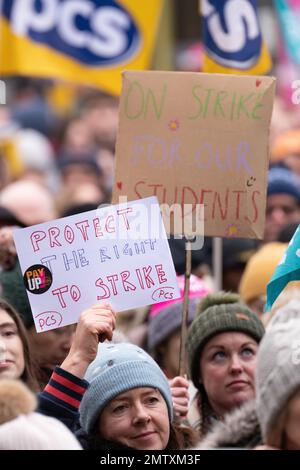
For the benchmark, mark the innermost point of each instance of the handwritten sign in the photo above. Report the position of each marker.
(195, 138)
(117, 254)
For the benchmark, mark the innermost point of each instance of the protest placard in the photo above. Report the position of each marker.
(197, 139)
(116, 254)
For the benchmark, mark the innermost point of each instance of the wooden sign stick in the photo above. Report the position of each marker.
(185, 313)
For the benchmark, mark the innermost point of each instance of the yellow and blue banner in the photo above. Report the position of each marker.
(232, 38)
(87, 42)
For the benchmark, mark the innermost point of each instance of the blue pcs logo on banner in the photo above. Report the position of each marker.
(94, 32)
(232, 32)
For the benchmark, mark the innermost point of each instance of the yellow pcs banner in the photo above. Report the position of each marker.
(81, 41)
(232, 38)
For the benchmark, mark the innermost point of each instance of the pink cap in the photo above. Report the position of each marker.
(198, 288)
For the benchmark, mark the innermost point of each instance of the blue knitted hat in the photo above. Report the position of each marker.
(283, 181)
(117, 368)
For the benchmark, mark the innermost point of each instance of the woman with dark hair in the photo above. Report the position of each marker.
(118, 393)
(15, 362)
(48, 348)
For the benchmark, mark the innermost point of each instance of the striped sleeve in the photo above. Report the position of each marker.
(65, 389)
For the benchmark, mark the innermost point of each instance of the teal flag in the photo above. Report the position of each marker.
(287, 270)
(288, 12)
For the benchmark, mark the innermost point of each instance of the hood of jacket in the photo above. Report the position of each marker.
(240, 429)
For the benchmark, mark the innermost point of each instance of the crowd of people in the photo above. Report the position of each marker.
(112, 381)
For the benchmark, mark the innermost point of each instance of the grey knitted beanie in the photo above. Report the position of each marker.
(167, 321)
(278, 365)
(219, 313)
(116, 369)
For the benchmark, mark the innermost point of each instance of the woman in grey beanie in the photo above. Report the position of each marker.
(129, 402)
(123, 398)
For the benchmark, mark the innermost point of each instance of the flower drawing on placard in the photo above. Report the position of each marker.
(232, 230)
(174, 125)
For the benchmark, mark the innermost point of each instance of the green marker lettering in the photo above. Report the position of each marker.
(157, 107)
(257, 106)
(232, 106)
(209, 91)
(194, 93)
(242, 105)
(218, 108)
(135, 98)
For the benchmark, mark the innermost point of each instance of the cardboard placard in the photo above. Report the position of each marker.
(195, 138)
(117, 254)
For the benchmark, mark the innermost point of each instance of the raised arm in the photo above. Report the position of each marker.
(62, 396)
(95, 325)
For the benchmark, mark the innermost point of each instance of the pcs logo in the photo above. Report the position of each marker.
(232, 33)
(94, 32)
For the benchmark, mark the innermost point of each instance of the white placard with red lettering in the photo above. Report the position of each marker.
(117, 254)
